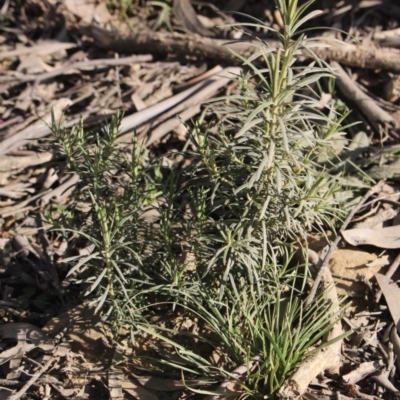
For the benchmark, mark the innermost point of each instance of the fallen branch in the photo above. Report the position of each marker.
(190, 45)
(375, 114)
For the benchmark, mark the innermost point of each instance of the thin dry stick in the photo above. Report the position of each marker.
(31, 381)
(334, 244)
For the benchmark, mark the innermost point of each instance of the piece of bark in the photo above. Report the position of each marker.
(363, 370)
(9, 163)
(183, 45)
(190, 45)
(382, 380)
(390, 38)
(375, 114)
(362, 57)
(43, 48)
(197, 79)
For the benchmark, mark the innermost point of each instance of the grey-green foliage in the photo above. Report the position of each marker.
(268, 322)
(255, 187)
(114, 191)
(224, 230)
(258, 184)
(266, 184)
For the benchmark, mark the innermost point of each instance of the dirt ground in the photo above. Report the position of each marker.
(90, 58)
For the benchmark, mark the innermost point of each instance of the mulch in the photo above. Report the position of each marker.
(160, 66)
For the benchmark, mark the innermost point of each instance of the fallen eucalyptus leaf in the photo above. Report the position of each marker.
(385, 238)
(392, 296)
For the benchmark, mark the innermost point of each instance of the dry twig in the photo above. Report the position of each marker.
(375, 114)
(33, 379)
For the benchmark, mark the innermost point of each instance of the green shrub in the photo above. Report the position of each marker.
(218, 237)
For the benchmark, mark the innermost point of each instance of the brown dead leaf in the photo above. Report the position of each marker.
(84, 9)
(24, 100)
(187, 17)
(46, 92)
(16, 190)
(218, 357)
(385, 238)
(32, 64)
(392, 296)
(88, 11)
